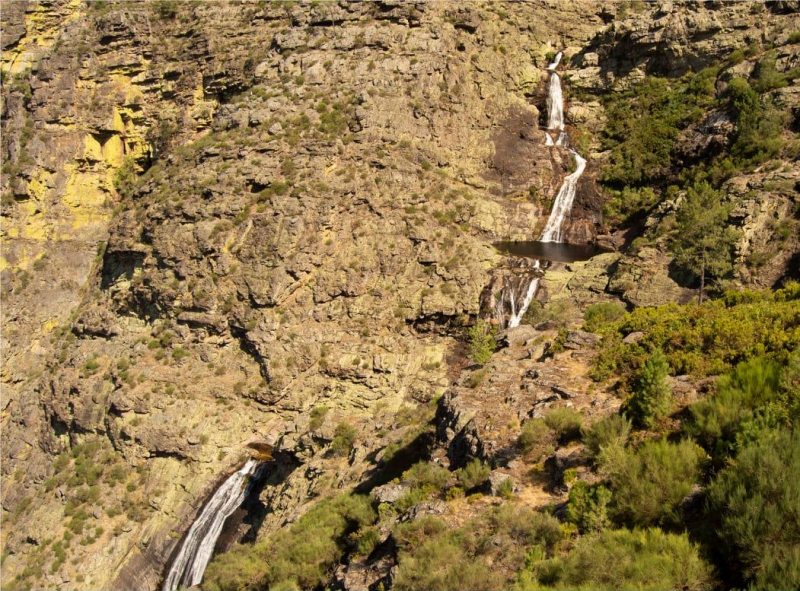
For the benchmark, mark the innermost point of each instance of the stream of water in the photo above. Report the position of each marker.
(190, 563)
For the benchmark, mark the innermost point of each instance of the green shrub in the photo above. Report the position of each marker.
(434, 555)
(344, 438)
(536, 439)
(588, 506)
(794, 37)
(473, 474)
(652, 396)
(559, 312)
(766, 76)
(565, 422)
(644, 122)
(426, 474)
(367, 539)
(317, 417)
(649, 483)
(611, 432)
(628, 203)
(125, 178)
(481, 342)
(752, 390)
(708, 339)
(299, 555)
(623, 559)
(759, 124)
(755, 502)
(596, 316)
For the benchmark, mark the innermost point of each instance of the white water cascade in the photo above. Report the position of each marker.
(563, 203)
(190, 564)
(511, 292)
(515, 319)
(555, 104)
(555, 121)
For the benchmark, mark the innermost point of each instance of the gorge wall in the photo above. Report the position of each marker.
(227, 224)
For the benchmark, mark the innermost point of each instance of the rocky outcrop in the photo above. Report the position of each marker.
(229, 223)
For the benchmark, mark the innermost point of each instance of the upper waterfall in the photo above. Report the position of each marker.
(555, 104)
(190, 564)
(563, 203)
(555, 121)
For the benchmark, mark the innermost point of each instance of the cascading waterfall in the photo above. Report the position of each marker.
(190, 564)
(563, 203)
(515, 319)
(566, 194)
(511, 292)
(555, 105)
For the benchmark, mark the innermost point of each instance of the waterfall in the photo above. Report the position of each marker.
(563, 203)
(515, 319)
(190, 564)
(555, 104)
(511, 291)
(555, 121)
(556, 61)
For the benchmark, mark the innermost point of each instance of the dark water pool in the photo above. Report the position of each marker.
(549, 251)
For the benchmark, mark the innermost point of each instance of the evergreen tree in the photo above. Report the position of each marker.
(755, 503)
(652, 397)
(481, 342)
(703, 243)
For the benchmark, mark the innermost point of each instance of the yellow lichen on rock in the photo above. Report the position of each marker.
(113, 151)
(43, 26)
(92, 150)
(37, 186)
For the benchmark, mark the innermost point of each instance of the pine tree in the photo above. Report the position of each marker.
(481, 342)
(652, 397)
(704, 243)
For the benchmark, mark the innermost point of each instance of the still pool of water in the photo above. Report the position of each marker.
(549, 251)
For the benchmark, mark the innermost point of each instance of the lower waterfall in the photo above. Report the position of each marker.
(511, 291)
(189, 565)
(515, 319)
(563, 203)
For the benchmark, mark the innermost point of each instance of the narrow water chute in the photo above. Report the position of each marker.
(563, 202)
(189, 565)
(516, 318)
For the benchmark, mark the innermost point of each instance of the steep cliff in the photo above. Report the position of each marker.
(227, 224)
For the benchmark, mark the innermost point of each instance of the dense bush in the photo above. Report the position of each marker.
(757, 394)
(588, 506)
(756, 502)
(481, 342)
(649, 483)
(759, 124)
(609, 433)
(473, 474)
(624, 559)
(536, 439)
(652, 397)
(598, 315)
(297, 557)
(424, 480)
(344, 438)
(707, 339)
(628, 203)
(565, 423)
(643, 124)
(482, 554)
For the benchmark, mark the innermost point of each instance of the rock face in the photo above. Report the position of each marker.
(229, 224)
